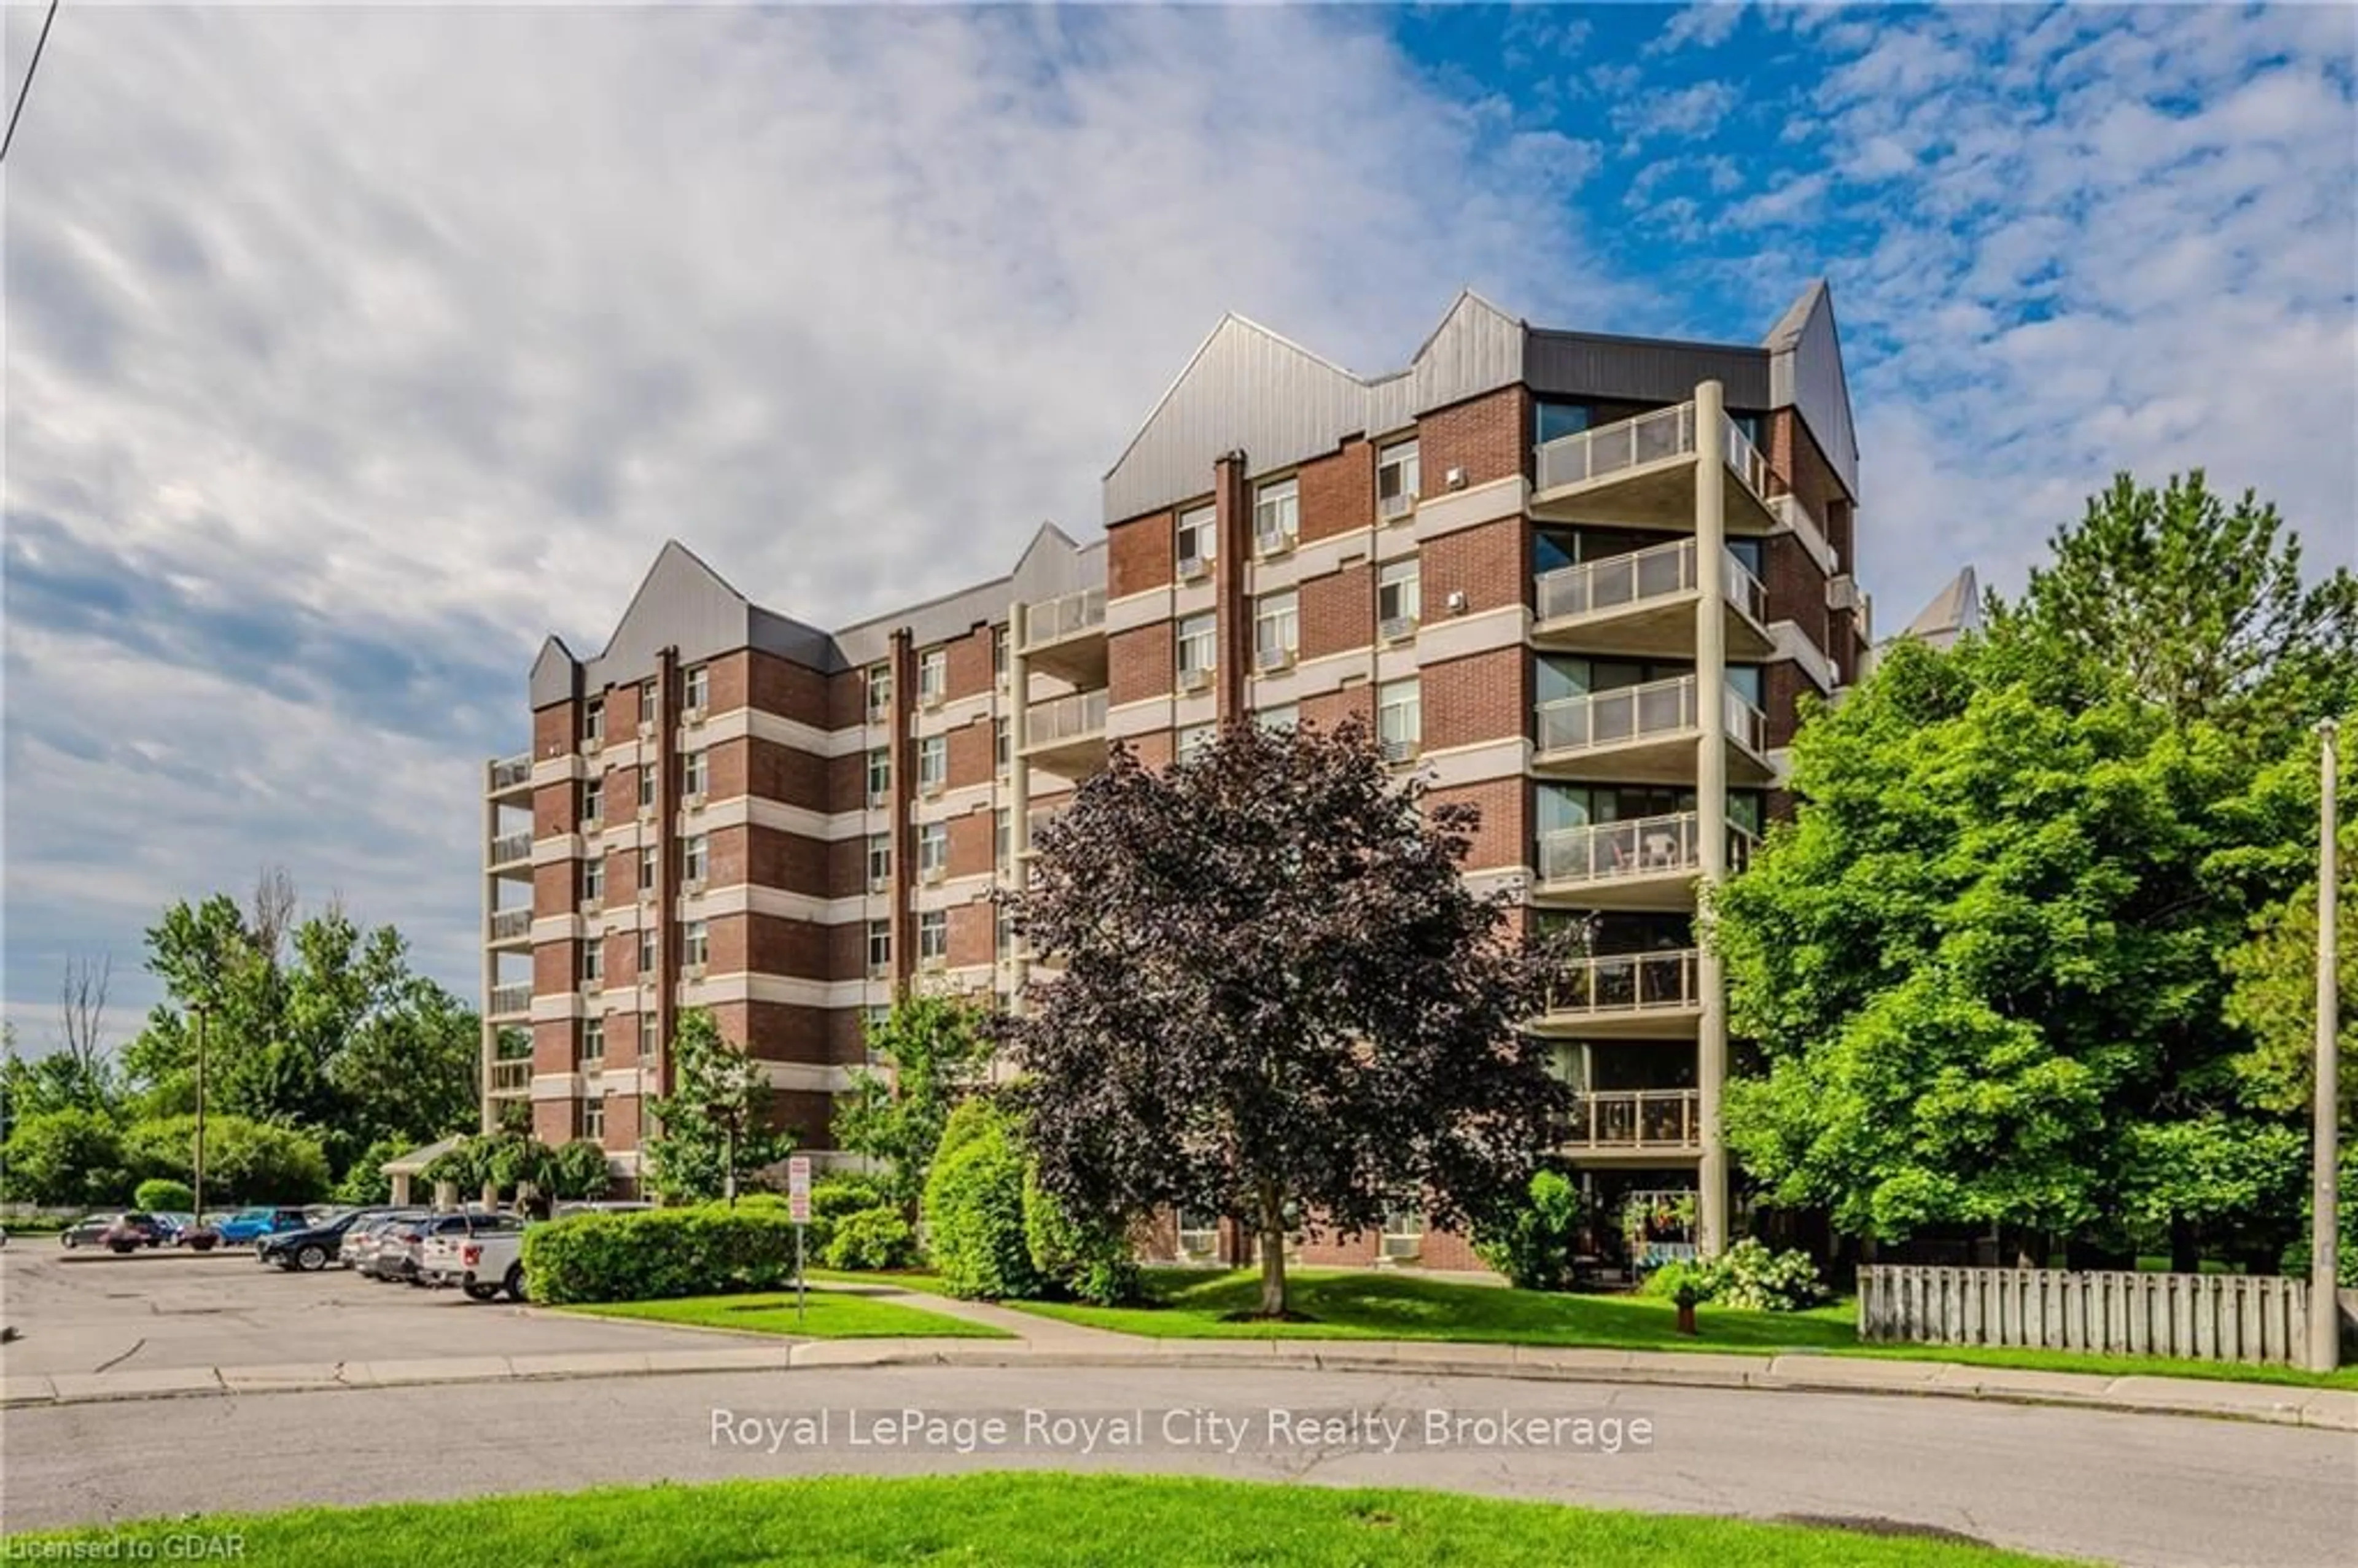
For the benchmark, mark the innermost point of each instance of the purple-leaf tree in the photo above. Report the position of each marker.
(1278, 1001)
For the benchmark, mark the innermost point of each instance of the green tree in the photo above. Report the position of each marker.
(580, 1172)
(364, 1181)
(245, 1161)
(64, 1156)
(719, 1111)
(935, 1049)
(163, 1196)
(974, 1207)
(1280, 1002)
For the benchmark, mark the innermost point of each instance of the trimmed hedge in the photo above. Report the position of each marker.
(660, 1254)
(871, 1238)
(974, 1208)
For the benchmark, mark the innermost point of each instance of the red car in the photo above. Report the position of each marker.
(133, 1231)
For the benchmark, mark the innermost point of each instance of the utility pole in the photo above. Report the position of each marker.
(200, 1010)
(2324, 1304)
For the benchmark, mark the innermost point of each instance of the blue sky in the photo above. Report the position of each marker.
(349, 352)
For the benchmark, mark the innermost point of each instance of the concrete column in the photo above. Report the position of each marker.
(1711, 792)
(491, 969)
(1019, 793)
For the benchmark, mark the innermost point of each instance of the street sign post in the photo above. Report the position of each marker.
(798, 1209)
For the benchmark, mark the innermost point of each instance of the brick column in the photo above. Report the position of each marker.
(668, 890)
(1232, 504)
(903, 656)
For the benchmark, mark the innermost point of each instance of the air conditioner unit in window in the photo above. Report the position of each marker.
(935, 874)
(693, 885)
(1272, 542)
(880, 971)
(647, 814)
(1398, 627)
(590, 905)
(694, 802)
(1193, 568)
(930, 788)
(879, 884)
(647, 893)
(592, 744)
(1195, 680)
(1270, 659)
(1403, 1248)
(934, 964)
(694, 716)
(592, 824)
(878, 800)
(646, 729)
(931, 701)
(1399, 751)
(1393, 508)
(692, 972)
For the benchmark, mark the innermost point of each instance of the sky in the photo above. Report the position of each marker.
(350, 352)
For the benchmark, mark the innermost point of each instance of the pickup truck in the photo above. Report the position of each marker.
(482, 1264)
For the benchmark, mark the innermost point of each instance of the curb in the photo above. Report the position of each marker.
(2330, 1410)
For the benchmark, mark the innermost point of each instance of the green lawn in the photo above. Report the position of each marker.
(1027, 1518)
(832, 1314)
(1196, 1304)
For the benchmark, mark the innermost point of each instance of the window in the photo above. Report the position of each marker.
(1399, 720)
(879, 693)
(1003, 930)
(879, 861)
(648, 867)
(647, 700)
(1277, 515)
(593, 722)
(593, 801)
(694, 772)
(1397, 478)
(933, 674)
(650, 951)
(932, 763)
(1198, 537)
(1403, 1231)
(594, 879)
(934, 936)
(879, 776)
(1002, 830)
(697, 684)
(879, 946)
(1398, 600)
(593, 1118)
(594, 963)
(1199, 1232)
(1744, 680)
(593, 1041)
(1284, 715)
(933, 849)
(695, 944)
(874, 1020)
(1002, 745)
(646, 786)
(695, 855)
(1553, 419)
(1277, 630)
(1192, 739)
(650, 1037)
(999, 654)
(1755, 429)
(1196, 634)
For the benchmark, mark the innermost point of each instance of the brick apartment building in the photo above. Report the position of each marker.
(1582, 581)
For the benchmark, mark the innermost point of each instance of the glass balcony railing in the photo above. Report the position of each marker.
(1636, 1118)
(1598, 719)
(508, 925)
(508, 1000)
(1622, 582)
(513, 1076)
(1063, 718)
(1052, 621)
(510, 847)
(1630, 982)
(1650, 438)
(511, 773)
(1640, 847)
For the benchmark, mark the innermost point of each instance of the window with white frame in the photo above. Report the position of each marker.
(650, 1036)
(593, 800)
(593, 877)
(1400, 718)
(1284, 715)
(696, 688)
(880, 859)
(1003, 929)
(650, 951)
(593, 1041)
(1195, 738)
(1403, 1231)
(879, 776)
(999, 654)
(593, 962)
(695, 855)
(694, 772)
(1277, 514)
(593, 1118)
(934, 936)
(648, 867)
(874, 1019)
(1398, 478)
(694, 943)
(879, 946)
(1397, 599)
(1199, 536)
(1002, 745)
(1197, 643)
(1199, 1232)
(933, 674)
(1002, 829)
(646, 699)
(932, 763)
(934, 849)
(879, 693)
(646, 786)
(1277, 630)
(593, 720)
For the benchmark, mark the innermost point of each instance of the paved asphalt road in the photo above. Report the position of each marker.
(2125, 1489)
(111, 1314)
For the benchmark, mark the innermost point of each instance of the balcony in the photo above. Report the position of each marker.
(510, 855)
(1648, 862)
(512, 1077)
(1642, 471)
(511, 777)
(512, 1000)
(1644, 603)
(1628, 995)
(1633, 1121)
(1039, 816)
(1065, 637)
(1065, 735)
(510, 927)
(1646, 734)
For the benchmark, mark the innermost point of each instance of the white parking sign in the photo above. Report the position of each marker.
(798, 1188)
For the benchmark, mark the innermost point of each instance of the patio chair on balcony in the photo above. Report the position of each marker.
(1662, 851)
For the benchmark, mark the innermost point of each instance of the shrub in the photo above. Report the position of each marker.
(659, 1253)
(255, 1162)
(1697, 1282)
(974, 1207)
(1091, 1261)
(1746, 1276)
(365, 1181)
(69, 1156)
(1533, 1241)
(579, 1171)
(161, 1194)
(869, 1239)
(832, 1198)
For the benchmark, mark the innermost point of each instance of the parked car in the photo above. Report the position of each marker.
(131, 1231)
(404, 1257)
(370, 1232)
(603, 1206)
(248, 1225)
(483, 1262)
(176, 1223)
(87, 1230)
(315, 1246)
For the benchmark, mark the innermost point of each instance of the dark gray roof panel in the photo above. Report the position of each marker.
(1643, 370)
(556, 674)
(1806, 371)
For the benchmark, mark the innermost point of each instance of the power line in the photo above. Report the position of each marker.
(9, 140)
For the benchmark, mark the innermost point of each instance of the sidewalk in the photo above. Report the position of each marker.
(2334, 1409)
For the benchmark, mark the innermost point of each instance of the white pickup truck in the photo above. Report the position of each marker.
(483, 1264)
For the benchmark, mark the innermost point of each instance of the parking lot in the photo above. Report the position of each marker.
(89, 1311)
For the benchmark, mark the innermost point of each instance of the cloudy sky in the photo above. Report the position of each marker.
(349, 352)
